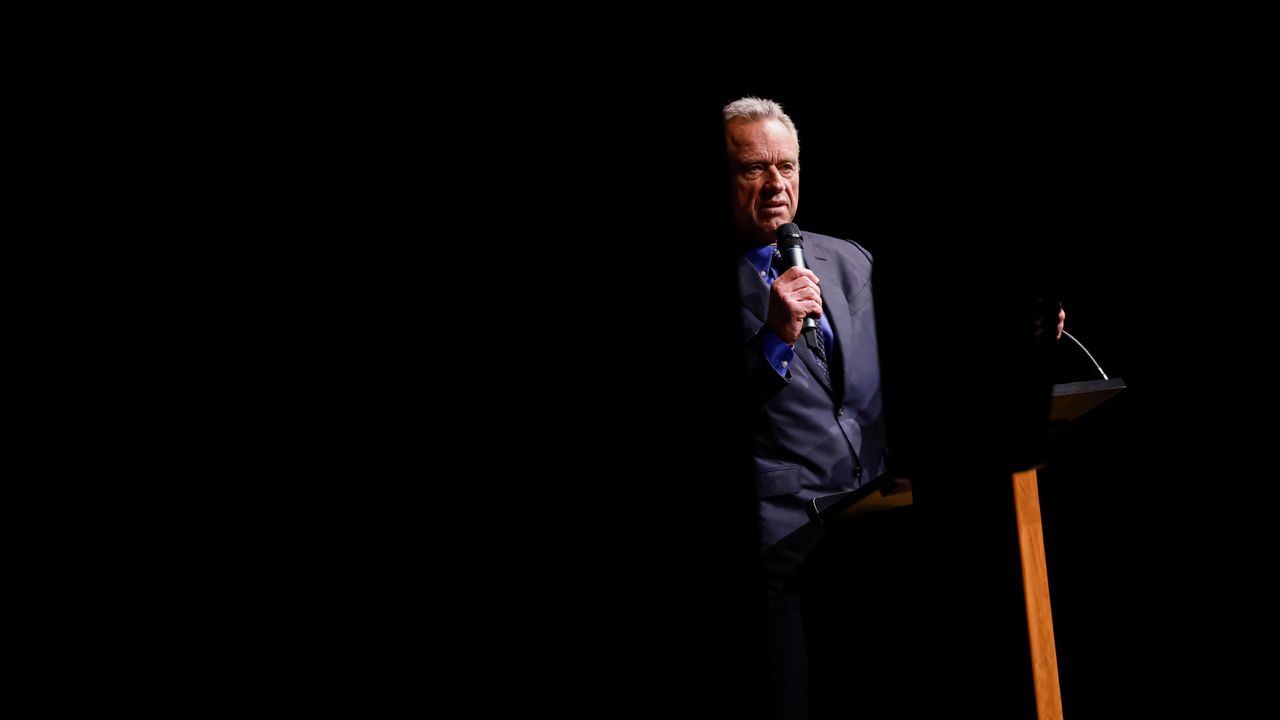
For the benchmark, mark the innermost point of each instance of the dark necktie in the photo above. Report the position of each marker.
(819, 351)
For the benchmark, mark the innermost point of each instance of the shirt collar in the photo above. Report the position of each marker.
(761, 258)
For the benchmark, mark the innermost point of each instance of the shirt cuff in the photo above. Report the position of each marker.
(778, 353)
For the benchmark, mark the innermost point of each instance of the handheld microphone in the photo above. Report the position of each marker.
(791, 247)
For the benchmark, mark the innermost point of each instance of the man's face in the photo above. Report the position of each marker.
(764, 161)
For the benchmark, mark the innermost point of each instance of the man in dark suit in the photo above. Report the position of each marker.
(817, 426)
(815, 431)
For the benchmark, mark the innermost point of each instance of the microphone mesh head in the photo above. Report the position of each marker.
(789, 236)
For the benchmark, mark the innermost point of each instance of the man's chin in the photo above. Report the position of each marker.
(763, 233)
(770, 226)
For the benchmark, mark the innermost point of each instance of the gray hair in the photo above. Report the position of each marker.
(754, 108)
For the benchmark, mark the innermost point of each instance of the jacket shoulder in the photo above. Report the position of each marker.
(847, 249)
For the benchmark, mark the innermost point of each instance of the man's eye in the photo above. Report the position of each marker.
(787, 169)
(752, 171)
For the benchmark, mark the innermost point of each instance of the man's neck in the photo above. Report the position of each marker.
(747, 244)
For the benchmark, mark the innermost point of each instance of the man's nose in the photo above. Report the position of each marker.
(773, 179)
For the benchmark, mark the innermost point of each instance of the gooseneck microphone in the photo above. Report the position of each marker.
(1073, 339)
(791, 247)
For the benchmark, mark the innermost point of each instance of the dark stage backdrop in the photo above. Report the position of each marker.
(580, 323)
(496, 351)
(973, 200)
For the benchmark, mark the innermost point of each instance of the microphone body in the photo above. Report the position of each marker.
(791, 248)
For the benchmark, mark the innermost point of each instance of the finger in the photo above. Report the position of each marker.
(798, 284)
(807, 293)
(797, 272)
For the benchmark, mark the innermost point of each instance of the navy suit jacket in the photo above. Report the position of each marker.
(811, 438)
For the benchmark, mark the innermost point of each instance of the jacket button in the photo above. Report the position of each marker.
(840, 412)
(857, 473)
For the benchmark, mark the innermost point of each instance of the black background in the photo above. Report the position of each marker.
(534, 348)
(1125, 197)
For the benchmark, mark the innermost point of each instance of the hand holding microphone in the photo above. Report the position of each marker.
(795, 302)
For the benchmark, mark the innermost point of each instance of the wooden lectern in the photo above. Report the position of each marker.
(892, 492)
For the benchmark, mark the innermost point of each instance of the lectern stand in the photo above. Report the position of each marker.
(890, 492)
